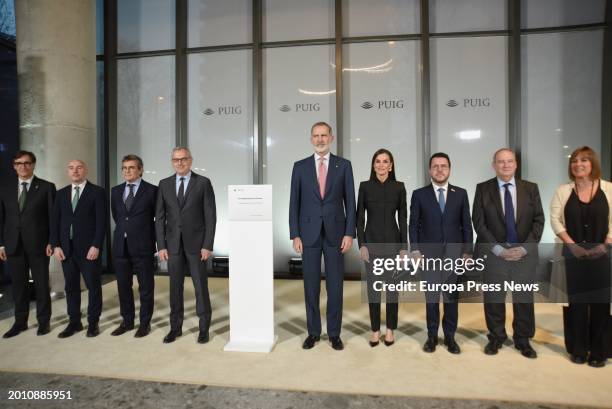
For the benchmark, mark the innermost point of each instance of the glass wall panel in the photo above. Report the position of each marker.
(285, 20)
(381, 110)
(214, 22)
(555, 13)
(99, 26)
(383, 17)
(221, 125)
(294, 99)
(447, 16)
(145, 25)
(561, 105)
(145, 115)
(469, 105)
(100, 122)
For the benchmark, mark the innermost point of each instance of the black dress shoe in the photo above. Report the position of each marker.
(142, 331)
(310, 341)
(577, 359)
(70, 330)
(43, 329)
(336, 343)
(203, 337)
(430, 344)
(526, 350)
(122, 329)
(492, 347)
(373, 343)
(14, 331)
(452, 346)
(93, 330)
(172, 336)
(389, 343)
(597, 363)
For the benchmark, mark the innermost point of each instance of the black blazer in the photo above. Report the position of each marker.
(195, 222)
(138, 223)
(382, 201)
(88, 220)
(33, 224)
(429, 225)
(488, 215)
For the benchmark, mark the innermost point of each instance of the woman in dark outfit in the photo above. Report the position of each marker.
(382, 199)
(581, 217)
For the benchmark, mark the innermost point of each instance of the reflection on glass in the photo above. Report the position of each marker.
(220, 122)
(381, 17)
(145, 123)
(144, 25)
(446, 16)
(469, 105)
(214, 22)
(382, 111)
(555, 13)
(561, 105)
(288, 116)
(286, 20)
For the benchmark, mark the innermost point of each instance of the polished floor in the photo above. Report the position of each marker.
(401, 370)
(103, 393)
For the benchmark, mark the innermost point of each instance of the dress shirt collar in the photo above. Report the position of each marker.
(187, 177)
(28, 181)
(326, 156)
(136, 184)
(501, 183)
(436, 187)
(80, 185)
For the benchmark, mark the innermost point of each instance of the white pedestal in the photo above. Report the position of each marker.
(251, 269)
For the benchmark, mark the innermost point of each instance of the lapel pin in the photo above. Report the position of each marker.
(452, 190)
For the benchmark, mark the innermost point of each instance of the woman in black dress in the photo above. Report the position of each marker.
(581, 218)
(382, 200)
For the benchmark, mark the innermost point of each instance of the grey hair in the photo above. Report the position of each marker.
(181, 148)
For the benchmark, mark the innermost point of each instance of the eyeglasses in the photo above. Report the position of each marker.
(26, 164)
(181, 160)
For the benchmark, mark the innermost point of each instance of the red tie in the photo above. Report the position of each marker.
(322, 176)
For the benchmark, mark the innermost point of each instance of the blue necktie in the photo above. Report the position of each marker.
(511, 234)
(441, 200)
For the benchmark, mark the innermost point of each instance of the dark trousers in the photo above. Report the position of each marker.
(585, 321)
(523, 322)
(374, 297)
(177, 264)
(20, 264)
(450, 302)
(125, 269)
(73, 266)
(334, 276)
(585, 327)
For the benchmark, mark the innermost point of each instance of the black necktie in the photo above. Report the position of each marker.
(511, 234)
(129, 200)
(181, 193)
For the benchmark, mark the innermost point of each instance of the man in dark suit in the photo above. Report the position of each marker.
(440, 226)
(185, 222)
(509, 220)
(322, 218)
(77, 235)
(25, 217)
(133, 210)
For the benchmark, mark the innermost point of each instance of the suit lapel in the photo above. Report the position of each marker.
(450, 197)
(521, 197)
(312, 172)
(189, 188)
(82, 196)
(434, 199)
(332, 170)
(495, 197)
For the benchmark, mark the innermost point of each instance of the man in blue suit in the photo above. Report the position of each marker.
(322, 219)
(133, 210)
(77, 234)
(440, 226)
